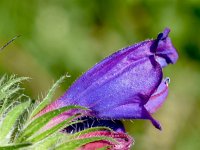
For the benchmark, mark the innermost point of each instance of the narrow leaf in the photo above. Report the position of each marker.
(74, 144)
(2, 79)
(11, 82)
(15, 146)
(41, 121)
(55, 128)
(48, 143)
(48, 99)
(10, 119)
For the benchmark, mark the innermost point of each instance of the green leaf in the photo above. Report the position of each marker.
(2, 79)
(49, 143)
(10, 119)
(15, 146)
(21, 121)
(7, 88)
(48, 99)
(41, 121)
(12, 81)
(74, 144)
(55, 128)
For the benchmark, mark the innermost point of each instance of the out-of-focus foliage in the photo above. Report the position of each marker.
(71, 36)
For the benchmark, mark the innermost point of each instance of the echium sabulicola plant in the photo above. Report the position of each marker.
(128, 84)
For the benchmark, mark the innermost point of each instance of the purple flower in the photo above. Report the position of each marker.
(128, 84)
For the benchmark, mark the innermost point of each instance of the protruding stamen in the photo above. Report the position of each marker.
(167, 81)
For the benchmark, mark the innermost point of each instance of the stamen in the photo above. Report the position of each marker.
(167, 81)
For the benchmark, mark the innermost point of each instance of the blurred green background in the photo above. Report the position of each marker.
(60, 37)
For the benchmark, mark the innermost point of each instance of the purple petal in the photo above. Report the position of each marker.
(128, 80)
(158, 98)
(165, 52)
(129, 111)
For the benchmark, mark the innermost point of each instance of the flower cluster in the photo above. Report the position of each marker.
(128, 84)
